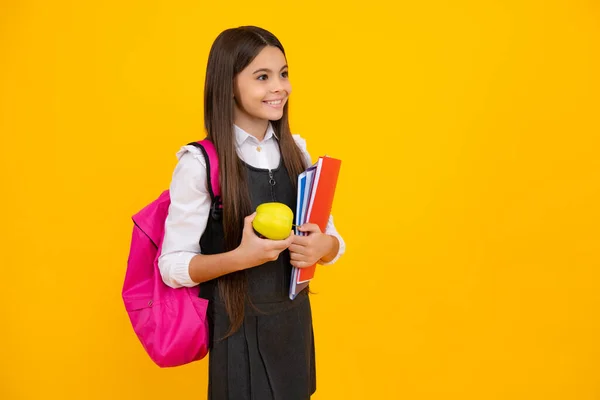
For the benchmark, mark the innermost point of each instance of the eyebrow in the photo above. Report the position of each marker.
(268, 70)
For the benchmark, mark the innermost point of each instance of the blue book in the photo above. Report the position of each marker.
(305, 180)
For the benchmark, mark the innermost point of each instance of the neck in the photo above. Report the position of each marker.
(256, 128)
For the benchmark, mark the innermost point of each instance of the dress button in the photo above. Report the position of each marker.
(258, 148)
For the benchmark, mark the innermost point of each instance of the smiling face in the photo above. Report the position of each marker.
(261, 91)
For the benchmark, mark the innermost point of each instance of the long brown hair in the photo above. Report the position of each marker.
(230, 53)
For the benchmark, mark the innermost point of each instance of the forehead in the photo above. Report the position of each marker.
(269, 57)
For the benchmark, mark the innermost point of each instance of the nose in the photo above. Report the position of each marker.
(277, 86)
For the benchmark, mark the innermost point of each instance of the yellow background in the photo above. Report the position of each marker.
(468, 197)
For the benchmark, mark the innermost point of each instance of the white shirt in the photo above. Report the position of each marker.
(190, 202)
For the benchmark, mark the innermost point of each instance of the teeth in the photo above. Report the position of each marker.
(273, 103)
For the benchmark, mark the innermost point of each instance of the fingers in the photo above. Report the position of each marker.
(273, 248)
(301, 256)
(301, 264)
(298, 257)
(310, 228)
(279, 245)
(296, 248)
(290, 238)
(300, 240)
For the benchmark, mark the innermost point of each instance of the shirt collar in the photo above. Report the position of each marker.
(241, 135)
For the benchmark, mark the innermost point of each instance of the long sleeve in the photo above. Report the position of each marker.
(186, 219)
(330, 229)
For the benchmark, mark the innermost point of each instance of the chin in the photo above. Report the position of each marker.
(275, 116)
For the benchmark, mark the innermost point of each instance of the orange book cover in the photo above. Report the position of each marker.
(321, 201)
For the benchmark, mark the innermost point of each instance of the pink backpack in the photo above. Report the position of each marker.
(170, 323)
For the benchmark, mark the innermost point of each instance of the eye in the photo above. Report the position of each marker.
(262, 77)
(284, 74)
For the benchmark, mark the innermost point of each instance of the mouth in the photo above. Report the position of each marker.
(274, 103)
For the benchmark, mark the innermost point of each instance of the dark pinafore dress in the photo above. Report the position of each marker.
(272, 356)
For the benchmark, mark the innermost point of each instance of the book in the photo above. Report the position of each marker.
(316, 190)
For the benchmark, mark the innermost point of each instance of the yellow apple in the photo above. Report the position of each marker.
(273, 220)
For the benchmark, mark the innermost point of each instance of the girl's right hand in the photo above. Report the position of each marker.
(255, 251)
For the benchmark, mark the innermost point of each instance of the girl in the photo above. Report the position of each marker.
(261, 341)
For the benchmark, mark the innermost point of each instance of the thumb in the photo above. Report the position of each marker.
(248, 221)
(309, 228)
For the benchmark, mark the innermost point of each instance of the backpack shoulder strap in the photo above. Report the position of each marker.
(212, 166)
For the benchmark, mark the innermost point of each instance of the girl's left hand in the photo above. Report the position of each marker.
(306, 251)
